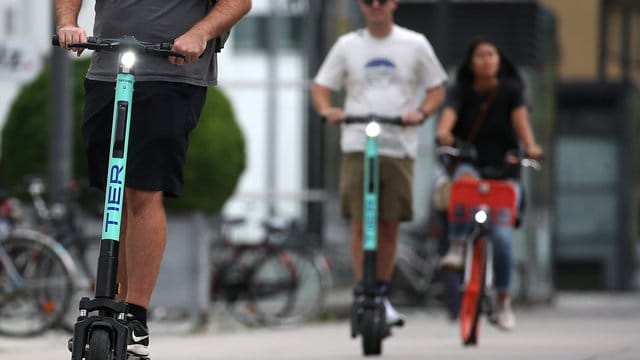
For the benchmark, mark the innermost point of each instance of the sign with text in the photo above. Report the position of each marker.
(19, 60)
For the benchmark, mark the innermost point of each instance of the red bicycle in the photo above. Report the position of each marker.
(481, 203)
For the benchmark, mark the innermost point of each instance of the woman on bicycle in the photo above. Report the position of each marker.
(486, 108)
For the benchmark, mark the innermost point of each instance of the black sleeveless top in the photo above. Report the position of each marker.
(496, 135)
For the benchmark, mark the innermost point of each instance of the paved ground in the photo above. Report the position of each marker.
(580, 327)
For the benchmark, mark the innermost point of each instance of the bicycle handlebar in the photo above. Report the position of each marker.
(468, 152)
(125, 43)
(396, 120)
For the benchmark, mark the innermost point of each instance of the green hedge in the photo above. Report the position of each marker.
(215, 160)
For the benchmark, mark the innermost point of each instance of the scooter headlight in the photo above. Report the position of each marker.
(373, 129)
(128, 59)
(481, 217)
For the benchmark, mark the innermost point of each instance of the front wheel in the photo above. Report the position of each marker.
(372, 328)
(472, 295)
(100, 345)
(273, 284)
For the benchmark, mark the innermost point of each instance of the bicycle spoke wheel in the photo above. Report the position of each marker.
(313, 279)
(83, 286)
(472, 295)
(272, 287)
(35, 303)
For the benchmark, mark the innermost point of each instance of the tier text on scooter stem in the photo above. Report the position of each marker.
(114, 194)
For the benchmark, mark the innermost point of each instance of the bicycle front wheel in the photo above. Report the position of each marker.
(271, 287)
(83, 282)
(472, 294)
(33, 304)
(313, 280)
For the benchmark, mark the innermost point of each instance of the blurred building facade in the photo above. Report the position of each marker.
(599, 39)
(597, 202)
(273, 53)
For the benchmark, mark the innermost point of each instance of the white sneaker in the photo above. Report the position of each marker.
(394, 318)
(503, 316)
(453, 259)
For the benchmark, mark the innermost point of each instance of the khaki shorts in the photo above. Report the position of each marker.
(395, 192)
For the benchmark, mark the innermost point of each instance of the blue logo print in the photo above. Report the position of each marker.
(380, 72)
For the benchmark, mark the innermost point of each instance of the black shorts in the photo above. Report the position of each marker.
(162, 117)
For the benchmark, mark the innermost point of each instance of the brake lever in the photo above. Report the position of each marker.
(163, 49)
(164, 52)
(534, 164)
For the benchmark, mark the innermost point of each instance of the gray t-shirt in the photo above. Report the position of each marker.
(152, 21)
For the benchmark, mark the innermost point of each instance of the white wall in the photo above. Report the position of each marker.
(30, 20)
(244, 77)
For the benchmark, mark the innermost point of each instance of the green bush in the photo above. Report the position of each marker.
(215, 160)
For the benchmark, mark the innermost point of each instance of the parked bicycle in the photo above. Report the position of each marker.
(36, 277)
(417, 271)
(282, 279)
(60, 220)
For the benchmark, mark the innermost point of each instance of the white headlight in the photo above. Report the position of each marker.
(481, 217)
(373, 129)
(128, 59)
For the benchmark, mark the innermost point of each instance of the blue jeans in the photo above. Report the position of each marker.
(500, 235)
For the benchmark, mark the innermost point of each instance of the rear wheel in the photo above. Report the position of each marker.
(83, 283)
(472, 295)
(42, 295)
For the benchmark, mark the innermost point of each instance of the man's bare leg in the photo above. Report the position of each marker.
(356, 249)
(387, 249)
(145, 241)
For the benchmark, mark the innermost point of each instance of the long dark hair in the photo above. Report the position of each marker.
(507, 70)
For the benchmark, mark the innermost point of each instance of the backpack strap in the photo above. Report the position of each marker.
(222, 39)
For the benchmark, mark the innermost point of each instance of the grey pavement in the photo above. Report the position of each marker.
(576, 326)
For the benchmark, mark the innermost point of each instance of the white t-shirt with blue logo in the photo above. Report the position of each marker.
(382, 76)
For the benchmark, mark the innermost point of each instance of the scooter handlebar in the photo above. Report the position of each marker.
(126, 42)
(396, 120)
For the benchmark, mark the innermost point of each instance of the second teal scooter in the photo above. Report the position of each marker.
(368, 317)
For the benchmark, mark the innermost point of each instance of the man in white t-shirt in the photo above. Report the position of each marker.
(391, 71)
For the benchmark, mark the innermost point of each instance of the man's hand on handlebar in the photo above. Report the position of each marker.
(192, 44)
(72, 34)
(413, 118)
(333, 115)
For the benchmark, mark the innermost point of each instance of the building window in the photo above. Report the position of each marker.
(252, 33)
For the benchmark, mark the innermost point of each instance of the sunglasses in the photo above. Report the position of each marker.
(370, 2)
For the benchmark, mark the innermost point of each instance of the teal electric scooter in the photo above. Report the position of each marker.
(368, 317)
(101, 330)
